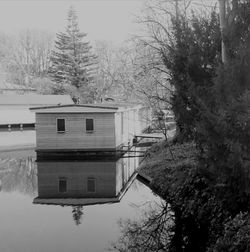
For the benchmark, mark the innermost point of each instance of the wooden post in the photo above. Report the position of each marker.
(222, 5)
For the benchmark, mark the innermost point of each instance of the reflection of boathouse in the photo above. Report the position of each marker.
(94, 127)
(84, 183)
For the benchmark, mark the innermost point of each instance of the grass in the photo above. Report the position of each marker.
(163, 167)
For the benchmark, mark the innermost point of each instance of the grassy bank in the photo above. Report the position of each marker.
(162, 159)
(204, 210)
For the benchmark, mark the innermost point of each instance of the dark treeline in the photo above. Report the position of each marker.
(206, 179)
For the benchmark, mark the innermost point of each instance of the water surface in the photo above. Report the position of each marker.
(36, 217)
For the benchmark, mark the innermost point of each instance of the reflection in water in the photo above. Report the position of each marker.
(152, 232)
(83, 183)
(77, 214)
(27, 227)
(18, 174)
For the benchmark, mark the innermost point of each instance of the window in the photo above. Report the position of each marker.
(89, 125)
(60, 125)
(62, 185)
(91, 185)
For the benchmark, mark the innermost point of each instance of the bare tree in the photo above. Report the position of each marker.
(116, 72)
(30, 55)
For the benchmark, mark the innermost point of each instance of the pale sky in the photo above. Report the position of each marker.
(111, 20)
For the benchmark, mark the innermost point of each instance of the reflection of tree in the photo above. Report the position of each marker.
(150, 233)
(18, 174)
(77, 212)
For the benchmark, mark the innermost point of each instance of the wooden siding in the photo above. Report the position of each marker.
(76, 174)
(75, 136)
(134, 122)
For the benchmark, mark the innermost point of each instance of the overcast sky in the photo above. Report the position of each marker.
(101, 19)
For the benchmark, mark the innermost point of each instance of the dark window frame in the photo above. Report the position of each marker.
(57, 128)
(86, 125)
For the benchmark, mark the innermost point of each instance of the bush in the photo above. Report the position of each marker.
(236, 236)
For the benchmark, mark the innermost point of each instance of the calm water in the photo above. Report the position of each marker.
(66, 206)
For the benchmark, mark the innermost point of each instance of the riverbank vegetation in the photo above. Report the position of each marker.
(203, 173)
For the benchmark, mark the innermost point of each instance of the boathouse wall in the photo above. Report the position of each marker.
(75, 135)
(131, 122)
(127, 125)
(114, 127)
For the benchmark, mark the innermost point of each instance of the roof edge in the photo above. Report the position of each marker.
(73, 105)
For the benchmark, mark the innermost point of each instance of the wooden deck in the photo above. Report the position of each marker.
(153, 135)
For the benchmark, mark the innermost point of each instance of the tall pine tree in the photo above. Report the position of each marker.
(72, 63)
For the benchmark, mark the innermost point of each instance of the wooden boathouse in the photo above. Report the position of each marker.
(89, 127)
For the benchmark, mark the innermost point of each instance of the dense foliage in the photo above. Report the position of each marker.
(212, 107)
(236, 236)
(206, 180)
(200, 204)
(191, 60)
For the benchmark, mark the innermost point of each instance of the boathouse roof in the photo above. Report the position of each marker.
(86, 108)
(34, 99)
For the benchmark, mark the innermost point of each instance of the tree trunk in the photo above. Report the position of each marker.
(222, 5)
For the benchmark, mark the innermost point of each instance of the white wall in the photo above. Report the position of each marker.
(75, 136)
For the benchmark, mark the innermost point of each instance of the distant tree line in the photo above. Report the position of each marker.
(66, 63)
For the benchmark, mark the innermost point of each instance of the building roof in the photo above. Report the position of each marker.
(16, 116)
(35, 99)
(73, 109)
(85, 108)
